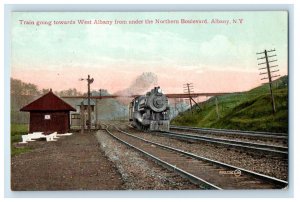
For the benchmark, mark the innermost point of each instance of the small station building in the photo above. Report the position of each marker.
(49, 114)
(76, 116)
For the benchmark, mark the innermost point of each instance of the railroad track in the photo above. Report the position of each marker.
(229, 143)
(198, 169)
(276, 139)
(232, 132)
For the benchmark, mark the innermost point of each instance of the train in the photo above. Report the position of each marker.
(150, 112)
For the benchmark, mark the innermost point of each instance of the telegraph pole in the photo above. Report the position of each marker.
(269, 72)
(189, 88)
(217, 108)
(89, 81)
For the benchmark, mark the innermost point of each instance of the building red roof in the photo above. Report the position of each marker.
(48, 102)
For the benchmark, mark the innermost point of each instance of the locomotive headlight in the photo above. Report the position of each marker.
(159, 90)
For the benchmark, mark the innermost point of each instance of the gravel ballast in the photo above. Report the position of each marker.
(250, 139)
(275, 167)
(139, 172)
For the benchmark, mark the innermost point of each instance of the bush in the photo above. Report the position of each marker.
(17, 130)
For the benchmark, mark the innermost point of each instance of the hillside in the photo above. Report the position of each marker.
(251, 110)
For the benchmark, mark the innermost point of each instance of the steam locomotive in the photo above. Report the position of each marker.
(151, 111)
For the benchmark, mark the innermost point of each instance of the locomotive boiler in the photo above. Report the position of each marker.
(150, 111)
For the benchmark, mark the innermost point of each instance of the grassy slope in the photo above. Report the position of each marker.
(249, 111)
(17, 130)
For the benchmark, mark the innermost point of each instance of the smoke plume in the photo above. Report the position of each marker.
(140, 85)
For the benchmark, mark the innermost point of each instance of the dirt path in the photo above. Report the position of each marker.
(72, 163)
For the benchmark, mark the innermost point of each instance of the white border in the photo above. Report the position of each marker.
(6, 75)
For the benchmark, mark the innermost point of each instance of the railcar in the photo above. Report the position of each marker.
(151, 111)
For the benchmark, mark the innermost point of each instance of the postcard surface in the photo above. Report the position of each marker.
(149, 100)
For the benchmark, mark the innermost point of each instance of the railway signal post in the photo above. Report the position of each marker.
(89, 81)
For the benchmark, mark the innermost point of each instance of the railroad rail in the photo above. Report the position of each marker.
(256, 138)
(198, 169)
(233, 132)
(230, 143)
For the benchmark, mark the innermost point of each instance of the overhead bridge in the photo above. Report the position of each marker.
(170, 95)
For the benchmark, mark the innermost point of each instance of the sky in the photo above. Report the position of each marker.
(215, 57)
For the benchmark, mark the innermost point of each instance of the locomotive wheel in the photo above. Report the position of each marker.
(145, 128)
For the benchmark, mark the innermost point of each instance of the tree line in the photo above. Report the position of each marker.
(22, 93)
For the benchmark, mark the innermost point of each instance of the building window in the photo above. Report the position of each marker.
(47, 117)
(75, 116)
